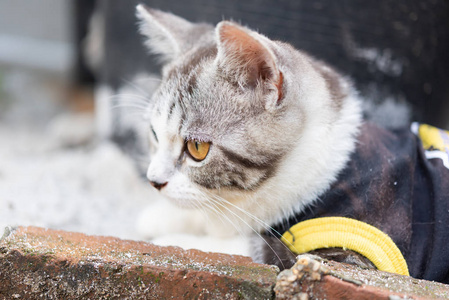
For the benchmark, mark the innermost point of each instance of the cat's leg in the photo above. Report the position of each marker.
(163, 218)
(165, 224)
(239, 245)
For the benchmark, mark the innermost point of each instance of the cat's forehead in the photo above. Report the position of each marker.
(191, 60)
(180, 78)
(204, 105)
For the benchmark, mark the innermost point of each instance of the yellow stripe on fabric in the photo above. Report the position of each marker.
(350, 234)
(433, 137)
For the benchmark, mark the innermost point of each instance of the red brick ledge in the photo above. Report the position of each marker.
(51, 264)
(37, 263)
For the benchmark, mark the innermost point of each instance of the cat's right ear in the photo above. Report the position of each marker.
(165, 32)
(244, 55)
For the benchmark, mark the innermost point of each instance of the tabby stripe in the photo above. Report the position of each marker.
(191, 84)
(170, 110)
(236, 158)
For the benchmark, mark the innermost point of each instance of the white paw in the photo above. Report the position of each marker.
(163, 218)
(236, 245)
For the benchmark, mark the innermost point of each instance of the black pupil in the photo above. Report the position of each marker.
(196, 146)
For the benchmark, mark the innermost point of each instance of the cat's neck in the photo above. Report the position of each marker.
(313, 165)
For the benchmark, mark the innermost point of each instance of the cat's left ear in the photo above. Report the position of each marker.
(244, 54)
(168, 35)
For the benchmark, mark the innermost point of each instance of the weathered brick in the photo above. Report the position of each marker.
(50, 264)
(315, 278)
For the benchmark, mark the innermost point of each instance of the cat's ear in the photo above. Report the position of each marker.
(243, 53)
(166, 32)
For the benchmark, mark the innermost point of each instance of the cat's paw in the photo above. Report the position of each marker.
(163, 218)
(237, 245)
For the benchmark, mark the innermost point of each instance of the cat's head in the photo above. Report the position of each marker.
(231, 109)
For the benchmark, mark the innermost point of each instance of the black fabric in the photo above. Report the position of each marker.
(390, 184)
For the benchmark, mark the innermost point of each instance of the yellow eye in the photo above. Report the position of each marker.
(198, 150)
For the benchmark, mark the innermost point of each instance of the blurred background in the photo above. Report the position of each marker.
(71, 153)
(55, 170)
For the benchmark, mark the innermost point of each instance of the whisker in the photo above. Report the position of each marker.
(138, 88)
(211, 205)
(206, 204)
(131, 97)
(265, 225)
(128, 105)
(255, 231)
(198, 206)
(222, 216)
(216, 198)
(144, 78)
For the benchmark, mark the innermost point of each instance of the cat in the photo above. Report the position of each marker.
(250, 136)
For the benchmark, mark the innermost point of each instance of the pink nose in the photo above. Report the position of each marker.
(158, 185)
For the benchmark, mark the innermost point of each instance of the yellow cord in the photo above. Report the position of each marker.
(350, 234)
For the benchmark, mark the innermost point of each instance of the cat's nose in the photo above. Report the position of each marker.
(158, 185)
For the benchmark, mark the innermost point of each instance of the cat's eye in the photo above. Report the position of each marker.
(198, 150)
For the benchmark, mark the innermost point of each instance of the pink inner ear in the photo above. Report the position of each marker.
(248, 52)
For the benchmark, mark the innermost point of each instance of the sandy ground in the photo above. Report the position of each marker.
(54, 172)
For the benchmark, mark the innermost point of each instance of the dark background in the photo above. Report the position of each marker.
(391, 48)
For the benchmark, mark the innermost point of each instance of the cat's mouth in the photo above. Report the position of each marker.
(199, 198)
(187, 198)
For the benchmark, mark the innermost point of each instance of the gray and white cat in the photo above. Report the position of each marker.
(251, 136)
(243, 129)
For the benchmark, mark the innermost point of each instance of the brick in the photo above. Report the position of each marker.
(315, 278)
(50, 264)
(37, 263)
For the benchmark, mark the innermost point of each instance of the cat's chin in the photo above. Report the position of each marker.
(184, 203)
